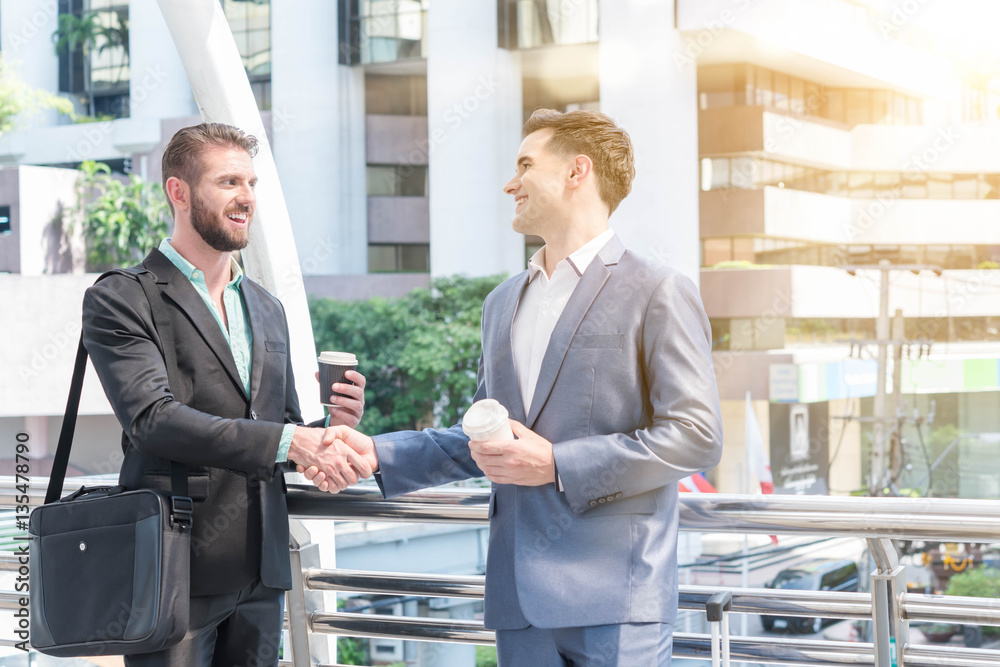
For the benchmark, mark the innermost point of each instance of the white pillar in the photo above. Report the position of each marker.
(474, 128)
(653, 95)
(318, 128)
(159, 87)
(28, 49)
(214, 68)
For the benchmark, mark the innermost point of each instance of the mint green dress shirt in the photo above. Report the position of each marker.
(239, 336)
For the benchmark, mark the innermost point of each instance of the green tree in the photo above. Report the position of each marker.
(419, 353)
(981, 582)
(352, 651)
(17, 98)
(121, 221)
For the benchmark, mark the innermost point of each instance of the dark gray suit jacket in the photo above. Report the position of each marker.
(628, 396)
(228, 442)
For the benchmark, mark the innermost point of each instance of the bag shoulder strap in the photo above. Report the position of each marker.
(161, 322)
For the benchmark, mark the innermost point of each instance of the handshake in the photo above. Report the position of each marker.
(333, 458)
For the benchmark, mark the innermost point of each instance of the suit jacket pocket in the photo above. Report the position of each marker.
(199, 483)
(274, 345)
(599, 341)
(641, 504)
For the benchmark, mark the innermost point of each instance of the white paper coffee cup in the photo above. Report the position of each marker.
(487, 420)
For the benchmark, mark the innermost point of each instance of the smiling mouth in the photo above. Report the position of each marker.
(520, 200)
(240, 219)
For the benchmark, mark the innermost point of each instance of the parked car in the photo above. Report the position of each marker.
(814, 575)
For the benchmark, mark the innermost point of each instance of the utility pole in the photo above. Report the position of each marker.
(896, 449)
(879, 454)
(881, 451)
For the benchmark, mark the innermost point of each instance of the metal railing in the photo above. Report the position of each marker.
(878, 520)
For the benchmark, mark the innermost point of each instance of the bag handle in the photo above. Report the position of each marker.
(161, 322)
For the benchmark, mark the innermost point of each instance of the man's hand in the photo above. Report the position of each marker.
(526, 461)
(347, 411)
(337, 465)
(342, 436)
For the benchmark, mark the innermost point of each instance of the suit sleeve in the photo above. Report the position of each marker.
(119, 335)
(413, 460)
(684, 435)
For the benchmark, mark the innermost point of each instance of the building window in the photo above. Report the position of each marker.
(399, 258)
(397, 180)
(250, 23)
(526, 24)
(382, 31)
(92, 42)
(752, 173)
(396, 95)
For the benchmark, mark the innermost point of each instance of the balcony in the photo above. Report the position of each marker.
(807, 38)
(822, 292)
(786, 213)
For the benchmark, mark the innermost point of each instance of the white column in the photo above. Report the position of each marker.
(28, 49)
(474, 128)
(318, 128)
(653, 95)
(215, 70)
(159, 87)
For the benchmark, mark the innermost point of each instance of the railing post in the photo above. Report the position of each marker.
(303, 603)
(890, 630)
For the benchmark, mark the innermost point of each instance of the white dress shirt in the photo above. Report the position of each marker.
(541, 305)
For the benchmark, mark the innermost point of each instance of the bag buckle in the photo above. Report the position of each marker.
(181, 509)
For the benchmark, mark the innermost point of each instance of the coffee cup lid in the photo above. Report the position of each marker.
(484, 416)
(338, 358)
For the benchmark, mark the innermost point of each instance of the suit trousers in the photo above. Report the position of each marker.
(241, 629)
(625, 645)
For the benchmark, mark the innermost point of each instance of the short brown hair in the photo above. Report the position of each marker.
(593, 134)
(182, 157)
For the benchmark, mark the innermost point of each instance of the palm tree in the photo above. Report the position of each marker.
(79, 32)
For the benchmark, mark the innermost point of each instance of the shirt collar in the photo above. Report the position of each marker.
(579, 260)
(190, 271)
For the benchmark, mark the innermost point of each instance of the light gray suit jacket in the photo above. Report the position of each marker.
(627, 394)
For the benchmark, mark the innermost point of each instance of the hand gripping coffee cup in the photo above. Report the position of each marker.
(332, 366)
(486, 421)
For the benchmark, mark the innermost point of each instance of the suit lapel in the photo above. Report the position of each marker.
(591, 283)
(179, 289)
(508, 388)
(256, 323)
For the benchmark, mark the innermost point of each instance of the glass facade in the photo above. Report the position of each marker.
(526, 24)
(382, 31)
(749, 85)
(250, 23)
(98, 68)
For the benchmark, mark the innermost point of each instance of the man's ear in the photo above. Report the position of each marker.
(179, 193)
(582, 169)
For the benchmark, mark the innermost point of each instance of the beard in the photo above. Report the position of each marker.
(216, 233)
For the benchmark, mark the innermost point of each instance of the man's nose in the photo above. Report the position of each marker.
(511, 186)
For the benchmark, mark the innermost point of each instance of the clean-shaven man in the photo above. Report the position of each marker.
(604, 361)
(233, 419)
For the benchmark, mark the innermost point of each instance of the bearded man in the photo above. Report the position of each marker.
(233, 419)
